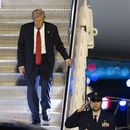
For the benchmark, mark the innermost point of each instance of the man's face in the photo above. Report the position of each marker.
(96, 105)
(38, 20)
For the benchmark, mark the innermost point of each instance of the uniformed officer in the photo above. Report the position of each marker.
(93, 119)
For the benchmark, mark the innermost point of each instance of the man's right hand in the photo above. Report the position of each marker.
(83, 108)
(21, 70)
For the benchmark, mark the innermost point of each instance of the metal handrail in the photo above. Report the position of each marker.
(71, 34)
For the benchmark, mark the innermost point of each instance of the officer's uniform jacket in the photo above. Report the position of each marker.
(84, 120)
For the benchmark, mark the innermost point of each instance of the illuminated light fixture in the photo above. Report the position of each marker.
(94, 77)
(125, 72)
(88, 80)
(91, 67)
(106, 103)
(123, 104)
(128, 83)
(117, 70)
(110, 71)
(101, 71)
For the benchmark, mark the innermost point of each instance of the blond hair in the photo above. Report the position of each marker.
(38, 12)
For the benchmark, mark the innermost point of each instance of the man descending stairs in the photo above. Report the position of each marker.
(13, 102)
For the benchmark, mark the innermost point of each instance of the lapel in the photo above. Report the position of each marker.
(47, 35)
(100, 117)
(30, 37)
(45, 32)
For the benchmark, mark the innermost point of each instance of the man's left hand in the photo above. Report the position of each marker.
(68, 62)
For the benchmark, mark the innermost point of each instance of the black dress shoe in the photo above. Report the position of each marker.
(45, 116)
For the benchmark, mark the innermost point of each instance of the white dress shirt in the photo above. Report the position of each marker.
(97, 115)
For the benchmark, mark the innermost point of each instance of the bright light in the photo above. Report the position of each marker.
(101, 71)
(88, 81)
(94, 77)
(117, 70)
(125, 71)
(91, 67)
(122, 102)
(128, 83)
(110, 71)
(106, 103)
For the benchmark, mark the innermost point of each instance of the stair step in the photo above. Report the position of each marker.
(8, 41)
(26, 13)
(27, 124)
(16, 35)
(12, 79)
(19, 22)
(10, 53)
(14, 27)
(24, 117)
(34, 4)
(21, 105)
(52, 127)
(10, 66)
(19, 92)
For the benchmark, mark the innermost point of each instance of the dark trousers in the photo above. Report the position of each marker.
(32, 94)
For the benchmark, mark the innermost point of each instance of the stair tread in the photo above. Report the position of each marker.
(19, 75)
(29, 9)
(16, 35)
(22, 21)
(15, 61)
(52, 127)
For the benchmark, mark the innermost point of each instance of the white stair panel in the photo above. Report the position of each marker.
(20, 92)
(21, 105)
(34, 4)
(26, 13)
(10, 66)
(15, 78)
(26, 117)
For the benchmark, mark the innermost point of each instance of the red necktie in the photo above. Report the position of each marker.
(38, 48)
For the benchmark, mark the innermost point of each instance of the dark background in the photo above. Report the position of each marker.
(113, 85)
(112, 19)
